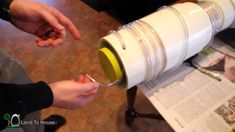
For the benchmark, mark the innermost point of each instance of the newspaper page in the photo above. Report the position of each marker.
(192, 101)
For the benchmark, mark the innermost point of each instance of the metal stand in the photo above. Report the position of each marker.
(131, 114)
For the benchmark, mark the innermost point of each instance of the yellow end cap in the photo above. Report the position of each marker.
(110, 64)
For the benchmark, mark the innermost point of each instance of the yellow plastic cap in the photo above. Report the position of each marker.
(110, 64)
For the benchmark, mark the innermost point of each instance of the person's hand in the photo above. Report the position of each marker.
(46, 22)
(73, 93)
(229, 68)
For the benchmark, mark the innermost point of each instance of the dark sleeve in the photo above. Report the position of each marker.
(5, 3)
(4, 9)
(23, 99)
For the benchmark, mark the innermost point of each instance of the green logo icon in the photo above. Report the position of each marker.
(13, 121)
(7, 116)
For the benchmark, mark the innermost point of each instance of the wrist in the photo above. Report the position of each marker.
(4, 9)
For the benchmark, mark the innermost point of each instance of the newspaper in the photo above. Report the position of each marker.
(192, 101)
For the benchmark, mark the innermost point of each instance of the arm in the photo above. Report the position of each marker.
(38, 19)
(24, 99)
(4, 9)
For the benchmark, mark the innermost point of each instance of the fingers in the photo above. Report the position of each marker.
(52, 20)
(44, 43)
(58, 22)
(92, 86)
(80, 79)
(87, 80)
(87, 90)
(83, 79)
(49, 38)
(43, 30)
(63, 20)
(49, 42)
(87, 87)
(90, 93)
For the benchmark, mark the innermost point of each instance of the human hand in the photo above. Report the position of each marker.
(73, 93)
(229, 68)
(46, 22)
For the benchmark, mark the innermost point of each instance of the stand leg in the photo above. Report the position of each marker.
(131, 114)
(131, 94)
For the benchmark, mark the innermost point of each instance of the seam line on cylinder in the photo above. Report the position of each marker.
(117, 35)
(186, 35)
(139, 39)
(162, 50)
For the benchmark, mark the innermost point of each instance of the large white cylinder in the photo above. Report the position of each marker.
(233, 24)
(163, 40)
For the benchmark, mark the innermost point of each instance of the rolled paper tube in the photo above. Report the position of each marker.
(110, 64)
